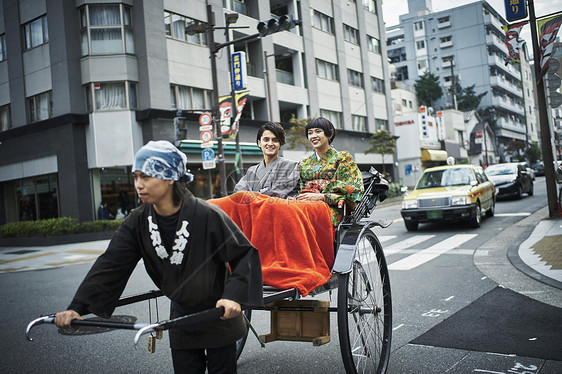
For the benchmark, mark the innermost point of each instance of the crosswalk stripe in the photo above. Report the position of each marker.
(417, 259)
(407, 243)
(385, 238)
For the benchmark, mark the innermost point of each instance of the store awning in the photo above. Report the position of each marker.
(433, 155)
(229, 147)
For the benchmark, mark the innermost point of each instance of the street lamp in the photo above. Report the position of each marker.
(285, 22)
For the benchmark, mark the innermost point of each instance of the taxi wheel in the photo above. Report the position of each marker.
(411, 225)
(531, 191)
(475, 221)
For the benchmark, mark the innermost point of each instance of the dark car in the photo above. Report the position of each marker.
(511, 179)
(539, 169)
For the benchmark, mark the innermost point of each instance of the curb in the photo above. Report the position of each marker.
(55, 240)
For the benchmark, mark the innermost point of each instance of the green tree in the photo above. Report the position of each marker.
(383, 143)
(533, 153)
(295, 135)
(467, 99)
(428, 89)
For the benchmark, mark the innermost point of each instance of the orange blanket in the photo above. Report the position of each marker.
(295, 239)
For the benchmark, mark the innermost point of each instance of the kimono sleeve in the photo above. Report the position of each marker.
(244, 284)
(286, 182)
(103, 285)
(348, 182)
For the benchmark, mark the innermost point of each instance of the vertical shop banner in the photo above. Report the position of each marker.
(514, 44)
(229, 127)
(548, 29)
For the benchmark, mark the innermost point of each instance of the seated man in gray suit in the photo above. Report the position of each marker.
(274, 176)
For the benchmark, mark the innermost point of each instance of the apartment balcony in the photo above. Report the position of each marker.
(506, 85)
(508, 124)
(446, 44)
(500, 63)
(447, 64)
(489, 19)
(493, 40)
(506, 104)
(442, 25)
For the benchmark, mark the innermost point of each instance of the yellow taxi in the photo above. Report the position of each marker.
(449, 193)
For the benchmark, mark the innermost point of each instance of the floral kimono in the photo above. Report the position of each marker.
(337, 176)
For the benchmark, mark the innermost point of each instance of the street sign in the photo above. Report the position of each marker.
(205, 119)
(209, 164)
(238, 72)
(207, 145)
(206, 136)
(515, 9)
(208, 154)
(206, 128)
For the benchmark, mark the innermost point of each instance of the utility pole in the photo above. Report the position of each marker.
(546, 134)
(216, 114)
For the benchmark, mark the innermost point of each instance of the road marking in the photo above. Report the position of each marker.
(410, 242)
(521, 214)
(385, 238)
(449, 298)
(27, 257)
(397, 327)
(431, 253)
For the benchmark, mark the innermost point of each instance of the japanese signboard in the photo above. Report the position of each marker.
(515, 9)
(238, 64)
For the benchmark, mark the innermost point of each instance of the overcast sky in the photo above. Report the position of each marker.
(392, 9)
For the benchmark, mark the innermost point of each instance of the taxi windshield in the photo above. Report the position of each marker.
(445, 178)
(501, 170)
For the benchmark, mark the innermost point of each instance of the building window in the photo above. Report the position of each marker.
(418, 25)
(175, 25)
(420, 44)
(36, 32)
(40, 106)
(443, 22)
(5, 120)
(404, 103)
(332, 116)
(322, 22)
(239, 6)
(350, 34)
(111, 96)
(106, 29)
(422, 64)
(37, 198)
(358, 123)
(381, 124)
(3, 51)
(377, 84)
(446, 41)
(370, 5)
(355, 78)
(373, 44)
(184, 97)
(326, 70)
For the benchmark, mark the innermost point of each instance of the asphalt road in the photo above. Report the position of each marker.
(424, 295)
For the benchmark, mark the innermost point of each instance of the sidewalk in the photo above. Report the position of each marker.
(14, 259)
(540, 256)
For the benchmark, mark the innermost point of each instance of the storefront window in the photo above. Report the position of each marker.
(118, 190)
(37, 198)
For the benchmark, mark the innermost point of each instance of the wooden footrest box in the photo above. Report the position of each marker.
(291, 321)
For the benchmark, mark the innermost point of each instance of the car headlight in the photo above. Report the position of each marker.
(409, 204)
(461, 200)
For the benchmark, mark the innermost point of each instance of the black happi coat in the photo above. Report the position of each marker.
(214, 244)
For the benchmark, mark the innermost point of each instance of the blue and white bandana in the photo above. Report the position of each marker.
(161, 159)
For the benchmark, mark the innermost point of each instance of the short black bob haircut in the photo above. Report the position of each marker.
(275, 128)
(325, 125)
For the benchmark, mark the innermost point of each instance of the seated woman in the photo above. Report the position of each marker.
(329, 175)
(274, 176)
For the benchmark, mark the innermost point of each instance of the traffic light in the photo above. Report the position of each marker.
(274, 25)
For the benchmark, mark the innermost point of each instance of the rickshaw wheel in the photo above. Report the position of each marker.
(365, 309)
(240, 343)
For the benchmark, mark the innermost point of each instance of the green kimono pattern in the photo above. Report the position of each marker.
(335, 175)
